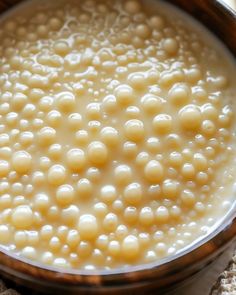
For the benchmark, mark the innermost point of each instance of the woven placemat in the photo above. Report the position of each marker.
(226, 284)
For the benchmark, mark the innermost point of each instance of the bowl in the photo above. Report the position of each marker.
(164, 274)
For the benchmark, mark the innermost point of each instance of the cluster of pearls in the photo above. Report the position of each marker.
(111, 132)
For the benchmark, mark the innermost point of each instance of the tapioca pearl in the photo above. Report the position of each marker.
(35, 94)
(29, 252)
(200, 208)
(88, 227)
(175, 212)
(97, 153)
(5, 201)
(26, 138)
(93, 174)
(73, 238)
(130, 215)
(190, 117)
(132, 7)
(76, 159)
(137, 42)
(114, 248)
(22, 217)
(57, 175)
(84, 249)
(132, 112)
(100, 209)
(199, 93)
(110, 136)
(143, 31)
(21, 162)
(156, 22)
(200, 162)
(46, 136)
(193, 75)
(62, 232)
(137, 81)
(153, 145)
(152, 104)
(121, 232)
(4, 139)
(4, 168)
(102, 242)
(81, 137)
(65, 195)
(18, 200)
(146, 216)
(209, 112)
(20, 238)
(54, 244)
(84, 188)
(4, 108)
(210, 152)
(4, 234)
(108, 194)
(208, 128)
(54, 118)
(150, 256)
(133, 194)
(162, 123)
(45, 104)
(162, 214)
(93, 111)
(170, 188)
(179, 94)
(188, 198)
(154, 171)
(60, 262)
(118, 206)
(75, 121)
(61, 48)
(41, 202)
(18, 101)
(161, 249)
(46, 232)
(142, 159)
(173, 141)
(70, 214)
(54, 23)
(202, 178)
(38, 178)
(44, 163)
(6, 216)
(47, 257)
(109, 103)
(130, 247)
(134, 130)
(123, 174)
(124, 95)
(110, 222)
(171, 46)
(33, 238)
(17, 188)
(12, 119)
(94, 127)
(66, 102)
(130, 149)
(153, 76)
(55, 151)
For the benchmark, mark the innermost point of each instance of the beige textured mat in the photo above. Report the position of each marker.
(226, 285)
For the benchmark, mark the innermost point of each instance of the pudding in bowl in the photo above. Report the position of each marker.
(117, 133)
